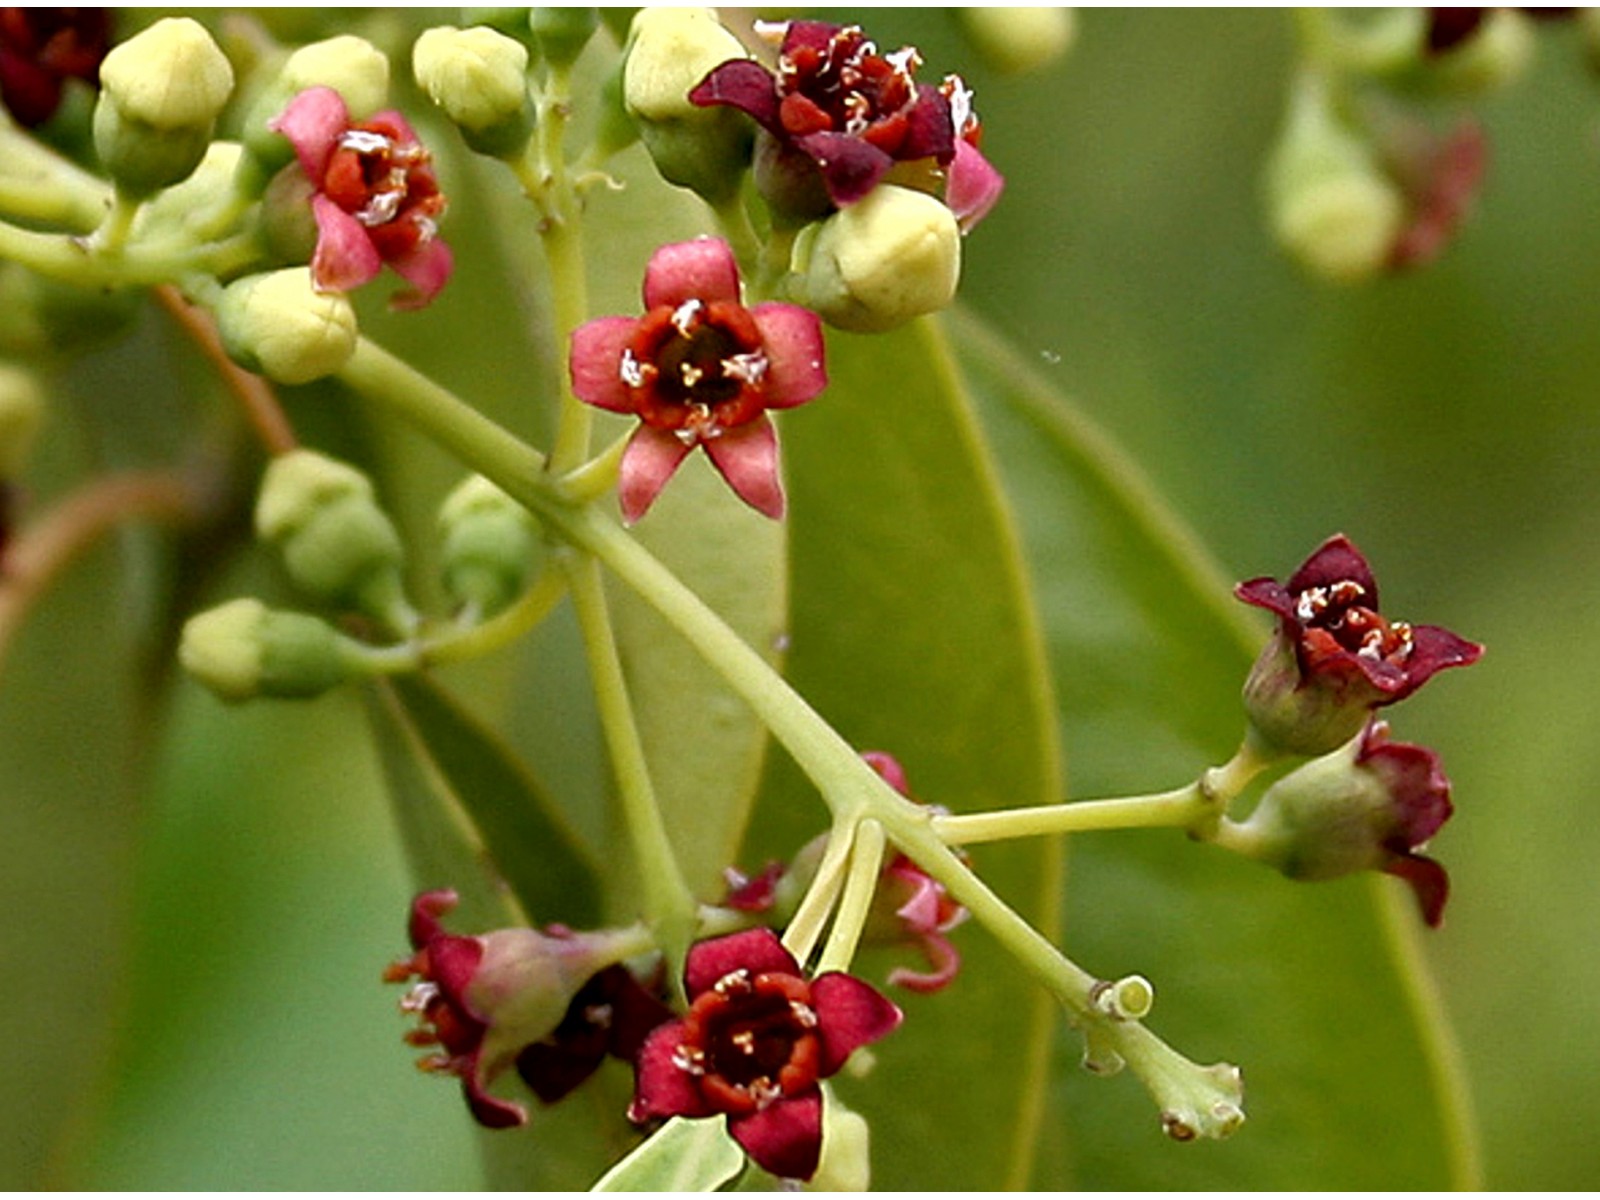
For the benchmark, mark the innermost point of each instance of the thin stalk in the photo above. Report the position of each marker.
(855, 903)
(524, 615)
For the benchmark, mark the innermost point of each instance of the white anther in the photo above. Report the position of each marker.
(419, 997)
(689, 1060)
(685, 316)
(1346, 591)
(804, 1015)
(364, 141)
(381, 209)
(733, 981)
(746, 368)
(1312, 601)
(632, 371)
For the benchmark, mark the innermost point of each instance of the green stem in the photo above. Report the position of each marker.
(36, 184)
(524, 615)
(855, 903)
(78, 261)
(805, 927)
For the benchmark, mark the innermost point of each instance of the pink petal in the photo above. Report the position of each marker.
(849, 1015)
(851, 167)
(744, 84)
(793, 339)
(889, 770)
(426, 912)
(703, 269)
(427, 269)
(785, 1138)
(972, 186)
(943, 957)
(755, 950)
(921, 912)
(1428, 880)
(596, 363)
(747, 457)
(401, 126)
(490, 1111)
(313, 122)
(661, 1087)
(345, 257)
(648, 462)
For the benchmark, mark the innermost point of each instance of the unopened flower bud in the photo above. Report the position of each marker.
(1493, 54)
(1018, 40)
(280, 326)
(1332, 206)
(160, 94)
(350, 65)
(479, 77)
(243, 649)
(197, 209)
(337, 544)
(489, 544)
(670, 51)
(562, 33)
(890, 257)
(21, 411)
(1367, 806)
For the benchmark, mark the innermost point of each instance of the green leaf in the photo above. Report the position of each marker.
(458, 789)
(913, 632)
(683, 1156)
(1303, 985)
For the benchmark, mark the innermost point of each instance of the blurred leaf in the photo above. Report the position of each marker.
(683, 1156)
(1300, 984)
(466, 802)
(913, 632)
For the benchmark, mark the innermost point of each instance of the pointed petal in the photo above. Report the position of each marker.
(744, 84)
(1266, 592)
(1434, 649)
(1335, 561)
(921, 911)
(793, 339)
(972, 186)
(747, 457)
(702, 270)
(313, 122)
(426, 912)
(850, 167)
(889, 770)
(943, 957)
(648, 462)
(784, 1138)
(755, 950)
(931, 131)
(490, 1111)
(1428, 880)
(850, 1014)
(345, 257)
(596, 363)
(427, 269)
(661, 1087)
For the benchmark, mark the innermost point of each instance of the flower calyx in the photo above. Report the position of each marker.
(699, 369)
(756, 1042)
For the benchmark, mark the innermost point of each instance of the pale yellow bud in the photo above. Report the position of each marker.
(281, 326)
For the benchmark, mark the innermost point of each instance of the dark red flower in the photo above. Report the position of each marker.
(40, 49)
(757, 1039)
(377, 200)
(699, 369)
(611, 1014)
(1335, 658)
(840, 113)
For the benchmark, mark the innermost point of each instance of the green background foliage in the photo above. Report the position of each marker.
(203, 898)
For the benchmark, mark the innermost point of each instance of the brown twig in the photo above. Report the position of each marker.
(255, 394)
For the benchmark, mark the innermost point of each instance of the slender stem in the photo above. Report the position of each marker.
(75, 260)
(524, 615)
(860, 885)
(257, 400)
(805, 927)
(597, 476)
(671, 907)
(112, 236)
(37, 184)
(733, 218)
(1178, 807)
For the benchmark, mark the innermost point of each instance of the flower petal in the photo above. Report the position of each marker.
(850, 166)
(661, 1087)
(850, 1014)
(1428, 880)
(345, 257)
(972, 186)
(648, 462)
(703, 270)
(427, 269)
(747, 457)
(596, 363)
(490, 1111)
(744, 84)
(792, 337)
(784, 1138)
(1433, 649)
(943, 957)
(755, 950)
(931, 131)
(313, 122)
(1336, 561)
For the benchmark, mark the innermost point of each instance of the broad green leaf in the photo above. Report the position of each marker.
(913, 631)
(683, 1156)
(1303, 985)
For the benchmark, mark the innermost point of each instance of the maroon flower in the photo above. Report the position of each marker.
(482, 999)
(840, 114)
(699, 369)
(1442, 176)
(611, 1014)
(376, 201)
(40, 49)
(1370, 805)
(1335, 658)
(757, 1039)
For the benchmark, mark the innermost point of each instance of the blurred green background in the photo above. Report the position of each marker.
(1447, 421)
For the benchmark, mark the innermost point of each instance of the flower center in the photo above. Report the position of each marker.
(385, 181)
(697, 369)
(1335, 608)
(751, 1040)
(846, 86)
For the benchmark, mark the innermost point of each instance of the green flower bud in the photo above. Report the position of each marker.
(670, 50)
(562, 33)
(888, 258)
(480, 79)
(1018, 40)
(337, 544)
(489, 544)
(1331, 205)
(350, 65)
(21, 411)
(615, 128)
(243, 649)
(160, 94)
(280, 326)
(203, 205)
